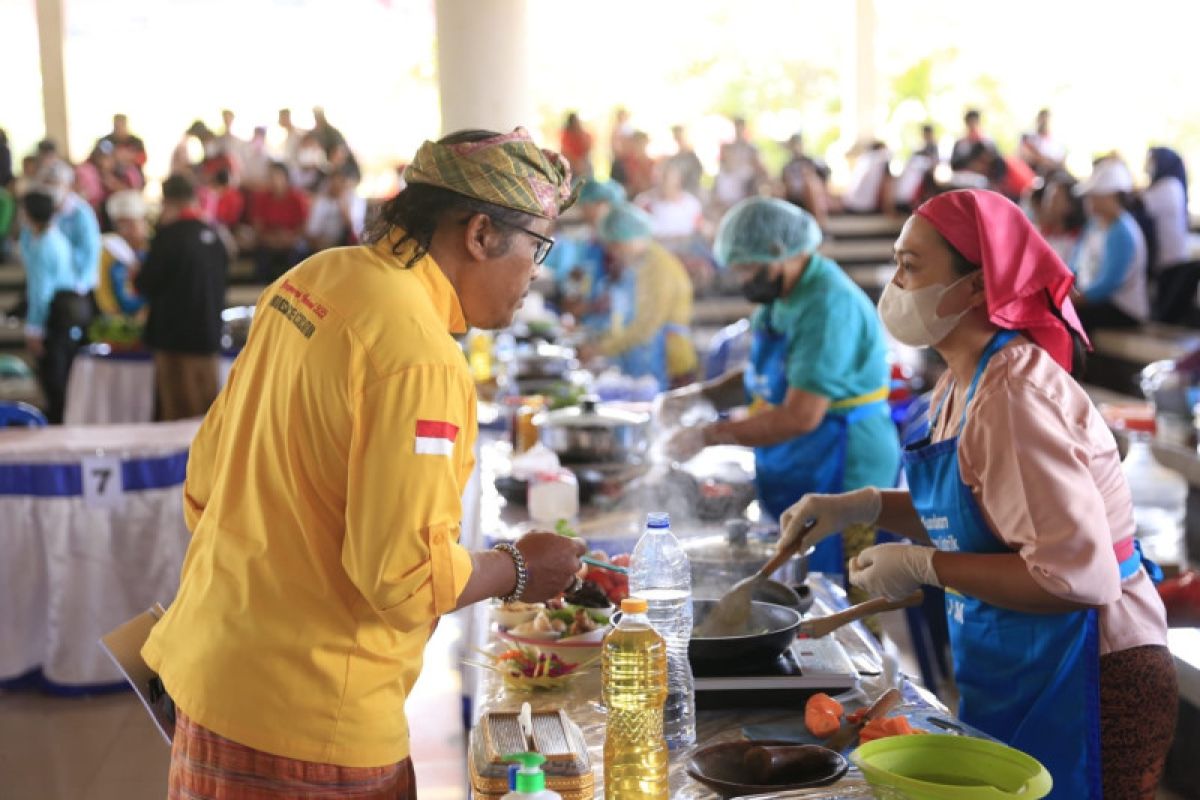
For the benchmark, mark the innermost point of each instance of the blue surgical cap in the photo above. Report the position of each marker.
(601, 192)
(624, 223)
(762, 230)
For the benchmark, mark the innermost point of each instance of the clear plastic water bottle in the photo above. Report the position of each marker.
(660, 574)
(1159, 498)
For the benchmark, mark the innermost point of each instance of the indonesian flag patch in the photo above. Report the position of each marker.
(435, 438)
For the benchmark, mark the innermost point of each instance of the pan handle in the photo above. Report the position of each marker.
(816, 627)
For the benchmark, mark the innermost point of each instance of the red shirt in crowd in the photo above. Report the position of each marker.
(230, 205)
(274, 212)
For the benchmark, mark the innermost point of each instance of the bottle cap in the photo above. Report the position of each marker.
(658, 519)
(530, 779)
(1138, 424)
(634, 605)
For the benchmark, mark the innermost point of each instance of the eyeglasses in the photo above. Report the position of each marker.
(544, 244)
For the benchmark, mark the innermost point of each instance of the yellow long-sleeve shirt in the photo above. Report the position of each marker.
(663, 296)
(323, 495)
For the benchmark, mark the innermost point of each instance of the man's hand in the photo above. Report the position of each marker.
(552, 561)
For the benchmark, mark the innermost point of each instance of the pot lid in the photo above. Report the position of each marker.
(590, 413)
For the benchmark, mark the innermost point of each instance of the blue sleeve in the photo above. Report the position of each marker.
(1119, 254)
(127, 301)
(87, 251)
(39, 282)
(561, 259)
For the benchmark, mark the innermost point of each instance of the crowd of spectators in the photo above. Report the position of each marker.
(275, 196)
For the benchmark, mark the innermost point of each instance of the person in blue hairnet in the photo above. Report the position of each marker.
(817, 383)
(651, 303)
(577, 263)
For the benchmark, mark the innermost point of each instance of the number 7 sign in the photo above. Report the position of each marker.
(102, 483)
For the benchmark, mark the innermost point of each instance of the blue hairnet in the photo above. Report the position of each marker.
(601, 192)
(762, 230)
(624, 223)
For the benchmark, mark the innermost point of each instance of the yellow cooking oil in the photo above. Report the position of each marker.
(634, 662)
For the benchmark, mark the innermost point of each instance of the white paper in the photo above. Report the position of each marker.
(102, 483)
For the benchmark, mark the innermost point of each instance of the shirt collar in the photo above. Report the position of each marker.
(812, 272)
(429, 274)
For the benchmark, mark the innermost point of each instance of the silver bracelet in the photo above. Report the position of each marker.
(522, 571)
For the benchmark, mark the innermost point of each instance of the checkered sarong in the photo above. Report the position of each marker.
(205, 766)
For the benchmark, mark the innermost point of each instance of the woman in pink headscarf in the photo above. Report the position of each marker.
(1018, 507)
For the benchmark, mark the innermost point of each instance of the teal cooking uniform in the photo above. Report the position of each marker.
(825, 338)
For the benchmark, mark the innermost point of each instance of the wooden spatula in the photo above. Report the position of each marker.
(732, 612)
(816, 627)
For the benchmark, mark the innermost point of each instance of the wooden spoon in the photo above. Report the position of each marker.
(816, 627)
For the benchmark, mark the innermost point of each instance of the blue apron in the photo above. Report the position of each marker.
(1030, 680)
(812, 463)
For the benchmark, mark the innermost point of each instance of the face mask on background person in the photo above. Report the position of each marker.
(762, 288)
(910, 315)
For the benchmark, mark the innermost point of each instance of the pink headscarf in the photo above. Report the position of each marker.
(1019, 267)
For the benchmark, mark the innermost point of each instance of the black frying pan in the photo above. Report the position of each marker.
(770, 630)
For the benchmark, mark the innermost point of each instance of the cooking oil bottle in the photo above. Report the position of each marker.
(635, 689)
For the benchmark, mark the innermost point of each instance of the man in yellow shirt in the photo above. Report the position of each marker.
(323, 489)
(651, 303)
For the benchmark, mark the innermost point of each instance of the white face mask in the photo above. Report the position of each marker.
(910, 315)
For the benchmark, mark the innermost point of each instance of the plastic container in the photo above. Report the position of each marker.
(634, 670)
(660, 574)
(1159, 498)
(553, 495)
(530, 781)
(941, 767)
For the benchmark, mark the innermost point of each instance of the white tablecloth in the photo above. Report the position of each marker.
(116, 388)
(70, 569)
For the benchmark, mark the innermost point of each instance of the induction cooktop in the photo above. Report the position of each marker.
(807, 667)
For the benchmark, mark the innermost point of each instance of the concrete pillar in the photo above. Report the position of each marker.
(861, 112)
(51, 34)
(483, 66)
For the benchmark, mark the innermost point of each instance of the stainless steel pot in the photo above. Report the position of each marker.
(721, 560)
(593, 433)
(540, 360)
(1168, 386)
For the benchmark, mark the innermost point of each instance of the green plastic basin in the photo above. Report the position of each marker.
(941, 767)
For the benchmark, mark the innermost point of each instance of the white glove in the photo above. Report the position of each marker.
(684, 444)
(830, 514)
(674, 404)
(894, 570)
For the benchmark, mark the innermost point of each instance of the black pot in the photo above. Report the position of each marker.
(773, 629)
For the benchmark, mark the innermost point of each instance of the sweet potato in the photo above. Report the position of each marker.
(822, 715)
(884, 727)
(855, 716)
